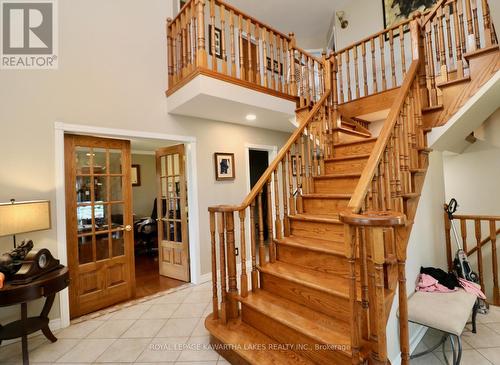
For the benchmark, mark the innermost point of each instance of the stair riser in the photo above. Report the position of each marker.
(341, 136)
(335, 185)
(326, 303)
(320, 230)
(345, 167)
(304, 345)
(315, 260)
(324, 206)
(353, 149)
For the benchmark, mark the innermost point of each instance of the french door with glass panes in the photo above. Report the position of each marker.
(173, 221)
(99, 222)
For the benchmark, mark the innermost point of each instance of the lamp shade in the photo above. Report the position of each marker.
(21, 217)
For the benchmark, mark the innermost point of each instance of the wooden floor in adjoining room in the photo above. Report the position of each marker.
(148, 281)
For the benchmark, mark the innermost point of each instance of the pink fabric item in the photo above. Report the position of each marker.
(472, 288)
(427, 283)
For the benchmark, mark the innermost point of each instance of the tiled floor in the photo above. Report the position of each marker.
(169, 329)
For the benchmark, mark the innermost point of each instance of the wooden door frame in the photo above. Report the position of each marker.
(60, 129)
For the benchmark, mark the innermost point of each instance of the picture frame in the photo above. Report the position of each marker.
(396, 11)
(278, 67)
(217, 39)
(135, 174)
(294, 164)
(224, 166)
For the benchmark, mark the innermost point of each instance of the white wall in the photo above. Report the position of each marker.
(425, 248)
(112, 73)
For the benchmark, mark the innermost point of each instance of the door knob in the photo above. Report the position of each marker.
(128, 227)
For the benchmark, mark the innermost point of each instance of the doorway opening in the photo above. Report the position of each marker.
(126, 219)
(258, 163)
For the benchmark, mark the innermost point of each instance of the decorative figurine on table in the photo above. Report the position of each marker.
(20, 266)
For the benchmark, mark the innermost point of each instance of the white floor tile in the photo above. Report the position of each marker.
(160, 311)
(190, 310)
(176, 327)
(80, 330)
(87, 350)
(132, 312)
(144, 328)
(124, 350)
(163, 350)
(50, 352)
(492, 354)
(112, 329)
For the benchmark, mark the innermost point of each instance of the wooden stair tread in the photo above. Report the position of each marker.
(418, 171)
(328, 283)
(430, 109)
(366, 140)
(322, 218)
(338, 175)
(239, 334)
(320, 327)
(453, 82)
(327, 196)
(492, 48)
(314, 244)
(351, 131)
(347, 158)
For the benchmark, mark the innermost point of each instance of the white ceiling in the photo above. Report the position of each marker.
(309, 20)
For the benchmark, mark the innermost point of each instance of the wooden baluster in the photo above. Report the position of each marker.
(494, 259)
(232, 43)
(187, 27)
(471, 43)
(212, 35)
(447, 236)
(477, 224)
(333, 86)
(463, 39)
(447, 16)
(365, 73)
(306, 80)
(313, 81)
(250, 76)
(404, 334)
(180, 48)
(351, 240)
(255, 274)
(271, 55)
(303, 171)
(380, 186)
(463, 233)
(363, 268)
(356, 71)
(488, 34)
(374, 191)
(277, 223)
(298, 177)
(290, 184)
(286, 219)
(286, 60)
(477, 33)
(382, 61)
(262, 248)
(194, 47)
(393, 63)
(387, 180)
(222, 256)
(442, 46)
(402, 49)
(223, 38)
(374, 66)
(170, 48)
(175, 66)
(406, 140)
(215, 299)
(272, 245)
(257, 61)
(348, 76)
(243, 75)
(232, 310)
(293, 79)
(243, 253)
(310, 155)
(431, 79)
(379, 353)
(458, 42)
(278, 59)
(183, 38)
(341, 81)
(264, 54)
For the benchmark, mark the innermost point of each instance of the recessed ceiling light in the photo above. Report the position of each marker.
(251, 117)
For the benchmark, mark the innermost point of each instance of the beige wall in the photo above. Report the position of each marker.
(112, 73)
(145, 194)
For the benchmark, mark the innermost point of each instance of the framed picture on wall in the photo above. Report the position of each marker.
(396, 11)
(136, 175)
(224, 166)
(277, 66)
(217, 41)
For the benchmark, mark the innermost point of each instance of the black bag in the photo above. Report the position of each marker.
(449, 280)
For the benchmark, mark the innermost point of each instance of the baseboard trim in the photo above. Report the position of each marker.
(414, 341)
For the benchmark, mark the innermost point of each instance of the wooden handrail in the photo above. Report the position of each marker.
(483, 242)
(432, 12)
(475, 217)
(272, 167)
(369, 171)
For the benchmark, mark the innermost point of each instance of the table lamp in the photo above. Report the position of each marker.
(22, 217)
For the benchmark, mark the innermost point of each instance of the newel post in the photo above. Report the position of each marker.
(418, 53)
(404, 335)
(201, 55)
(232, 309)
(335, 92)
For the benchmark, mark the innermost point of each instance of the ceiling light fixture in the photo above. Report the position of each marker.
(251, 117)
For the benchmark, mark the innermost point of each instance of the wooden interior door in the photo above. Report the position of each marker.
(99, 222)
(173, 237)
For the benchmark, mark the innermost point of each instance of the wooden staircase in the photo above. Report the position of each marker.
(339, 204)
